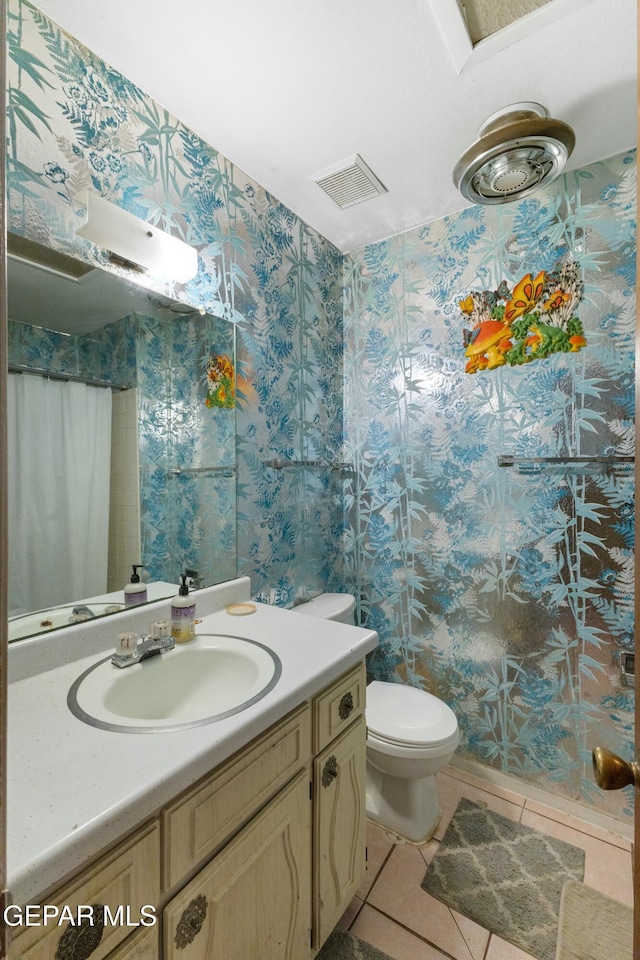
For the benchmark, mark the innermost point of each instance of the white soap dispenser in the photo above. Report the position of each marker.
(183, 614)
(135, 592)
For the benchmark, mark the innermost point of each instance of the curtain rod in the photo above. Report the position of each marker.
(36, 371)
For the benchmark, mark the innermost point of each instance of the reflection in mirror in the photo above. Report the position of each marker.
(121, 441)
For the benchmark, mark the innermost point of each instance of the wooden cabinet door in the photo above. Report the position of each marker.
(143, 945)
(123, 880)
(253, 900)
(199, 822)
(338, 828)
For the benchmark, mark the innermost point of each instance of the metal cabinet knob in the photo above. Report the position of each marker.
(78, 942)
(329, 772)
(346, 706)
(190, 923)
(612, 772)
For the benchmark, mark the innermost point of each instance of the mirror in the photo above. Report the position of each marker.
(121, 441)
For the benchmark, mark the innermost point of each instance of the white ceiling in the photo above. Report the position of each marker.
(79, 306)
(288, 88)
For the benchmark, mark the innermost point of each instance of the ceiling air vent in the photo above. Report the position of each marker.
(349, 182)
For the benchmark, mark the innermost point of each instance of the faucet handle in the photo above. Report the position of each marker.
(161, 634)
(126, 645)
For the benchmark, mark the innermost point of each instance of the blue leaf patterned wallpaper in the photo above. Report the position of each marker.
(506, 591)
(187, 511)
(75, 123)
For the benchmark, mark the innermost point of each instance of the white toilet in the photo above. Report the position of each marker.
(411, 735)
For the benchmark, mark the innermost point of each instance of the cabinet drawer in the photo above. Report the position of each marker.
(201, 820)
(144, 945)
(337, 706)
(128, 877)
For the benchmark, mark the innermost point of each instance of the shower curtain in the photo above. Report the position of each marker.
(58, 489)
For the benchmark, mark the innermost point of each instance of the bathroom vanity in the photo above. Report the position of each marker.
(243, 837)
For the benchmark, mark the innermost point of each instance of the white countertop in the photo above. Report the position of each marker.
(73, 789)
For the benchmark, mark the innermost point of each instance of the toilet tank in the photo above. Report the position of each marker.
(330, 606)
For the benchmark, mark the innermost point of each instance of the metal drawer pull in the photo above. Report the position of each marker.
(329, 771)
(79, 942)
(346, 706)
(190, 923)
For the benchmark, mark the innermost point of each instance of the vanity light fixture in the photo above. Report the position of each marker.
(133, 242)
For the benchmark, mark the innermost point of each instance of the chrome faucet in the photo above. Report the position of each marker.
(80, 613)
(130, 649)
(195, 582)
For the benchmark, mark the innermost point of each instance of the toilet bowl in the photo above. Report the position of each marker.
(411, 735)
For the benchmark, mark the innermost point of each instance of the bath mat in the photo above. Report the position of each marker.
(592, 926)
(506, 877)
(344, 946)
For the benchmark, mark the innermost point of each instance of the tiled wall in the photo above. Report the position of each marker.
(507, 592)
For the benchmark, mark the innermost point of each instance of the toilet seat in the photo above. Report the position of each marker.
(405, 716)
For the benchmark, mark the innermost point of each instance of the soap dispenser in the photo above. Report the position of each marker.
(135, 592)
(183, 614)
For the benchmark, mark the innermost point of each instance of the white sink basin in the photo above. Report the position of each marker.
(30, 623)
(207, 679)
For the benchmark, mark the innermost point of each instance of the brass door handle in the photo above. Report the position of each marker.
(612, 772)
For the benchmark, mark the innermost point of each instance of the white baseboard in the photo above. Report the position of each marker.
(472, 770)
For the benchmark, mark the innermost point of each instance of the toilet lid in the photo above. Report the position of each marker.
(329, 606)
(398, 713)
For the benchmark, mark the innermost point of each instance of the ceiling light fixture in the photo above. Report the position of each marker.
(518, 149)
(133, 242)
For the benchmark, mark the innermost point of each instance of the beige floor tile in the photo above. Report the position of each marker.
(378, 848)
(501, 950)
(451, 790)
(607, 867)
(393, 940)
(350, 913)
(397, 893)
(601, 833)
(429, 850)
